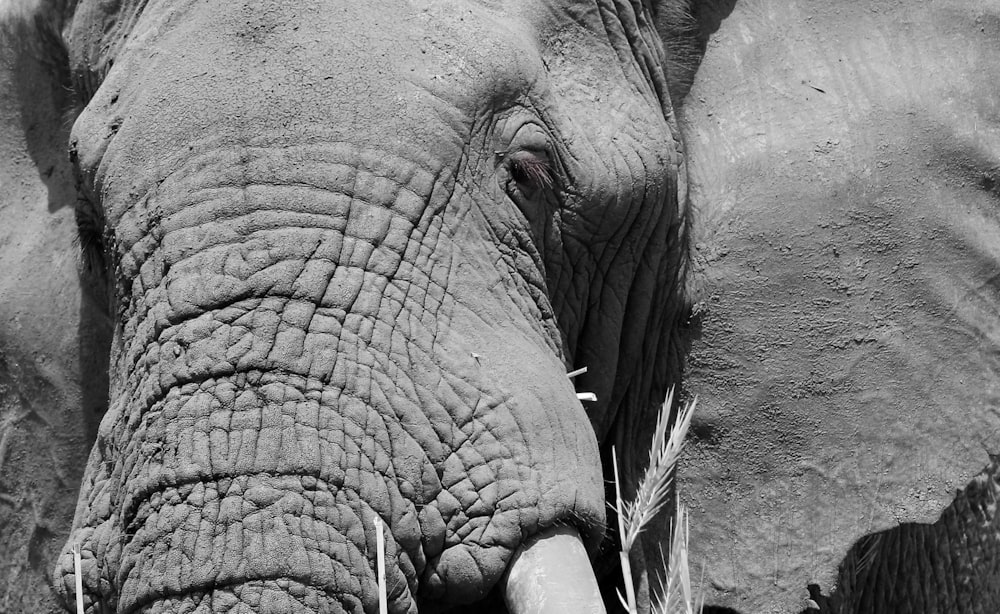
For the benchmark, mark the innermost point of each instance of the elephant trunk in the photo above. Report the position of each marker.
(256, 543)
(300, 353)
(254, 490)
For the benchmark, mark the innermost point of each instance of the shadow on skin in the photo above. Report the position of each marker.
(951, 565)
(707, 17)
(39, 99)
(46, 114)
(888, 571)
(710, 15)
(685, 27)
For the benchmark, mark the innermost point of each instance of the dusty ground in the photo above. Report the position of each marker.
(845, 167)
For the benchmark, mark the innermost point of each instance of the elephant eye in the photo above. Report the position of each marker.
(530, 179)
(531, 170)
(529, 175)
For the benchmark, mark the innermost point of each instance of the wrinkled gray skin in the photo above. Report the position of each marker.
(353, 249)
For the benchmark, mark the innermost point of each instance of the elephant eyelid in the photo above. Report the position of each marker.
(531, 169)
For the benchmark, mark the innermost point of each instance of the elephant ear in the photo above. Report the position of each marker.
(37, 111)
(49, 400)
(676, 22)
(684, 27)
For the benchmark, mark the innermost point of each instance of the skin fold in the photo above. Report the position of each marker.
(351, 252)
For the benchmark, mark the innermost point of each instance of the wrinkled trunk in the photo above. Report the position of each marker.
(301, 352)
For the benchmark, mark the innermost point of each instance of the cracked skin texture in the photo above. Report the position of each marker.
(334, 298)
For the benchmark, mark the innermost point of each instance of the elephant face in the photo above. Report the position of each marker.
(353, 249)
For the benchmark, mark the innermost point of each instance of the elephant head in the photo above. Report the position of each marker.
(352, 250)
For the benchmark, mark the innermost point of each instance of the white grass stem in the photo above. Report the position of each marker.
(629, 600)
(618, 492)
(586, 396)
(676, 597)
(383, 603)
(77, 571)
(633, 607)
(576, 372)
(621, 599)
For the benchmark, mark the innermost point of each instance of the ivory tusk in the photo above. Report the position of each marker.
(551, 574)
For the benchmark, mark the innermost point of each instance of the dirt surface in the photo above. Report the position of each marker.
(844, 165)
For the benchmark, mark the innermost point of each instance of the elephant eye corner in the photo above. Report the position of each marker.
(89, 236)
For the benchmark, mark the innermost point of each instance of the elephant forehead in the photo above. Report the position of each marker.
(268, 58)
(389, 76)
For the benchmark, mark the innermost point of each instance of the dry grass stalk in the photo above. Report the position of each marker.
(383, 602)
(654, 488)
(583, 396)
(677, 596)
(79, 579)
(628, 600)
(651, 497)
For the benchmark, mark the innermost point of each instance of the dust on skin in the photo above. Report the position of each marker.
(842, 158)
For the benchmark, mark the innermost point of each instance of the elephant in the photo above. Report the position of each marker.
(344, 255)
(790, 204)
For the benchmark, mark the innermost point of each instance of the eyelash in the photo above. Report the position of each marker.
(532, 170)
